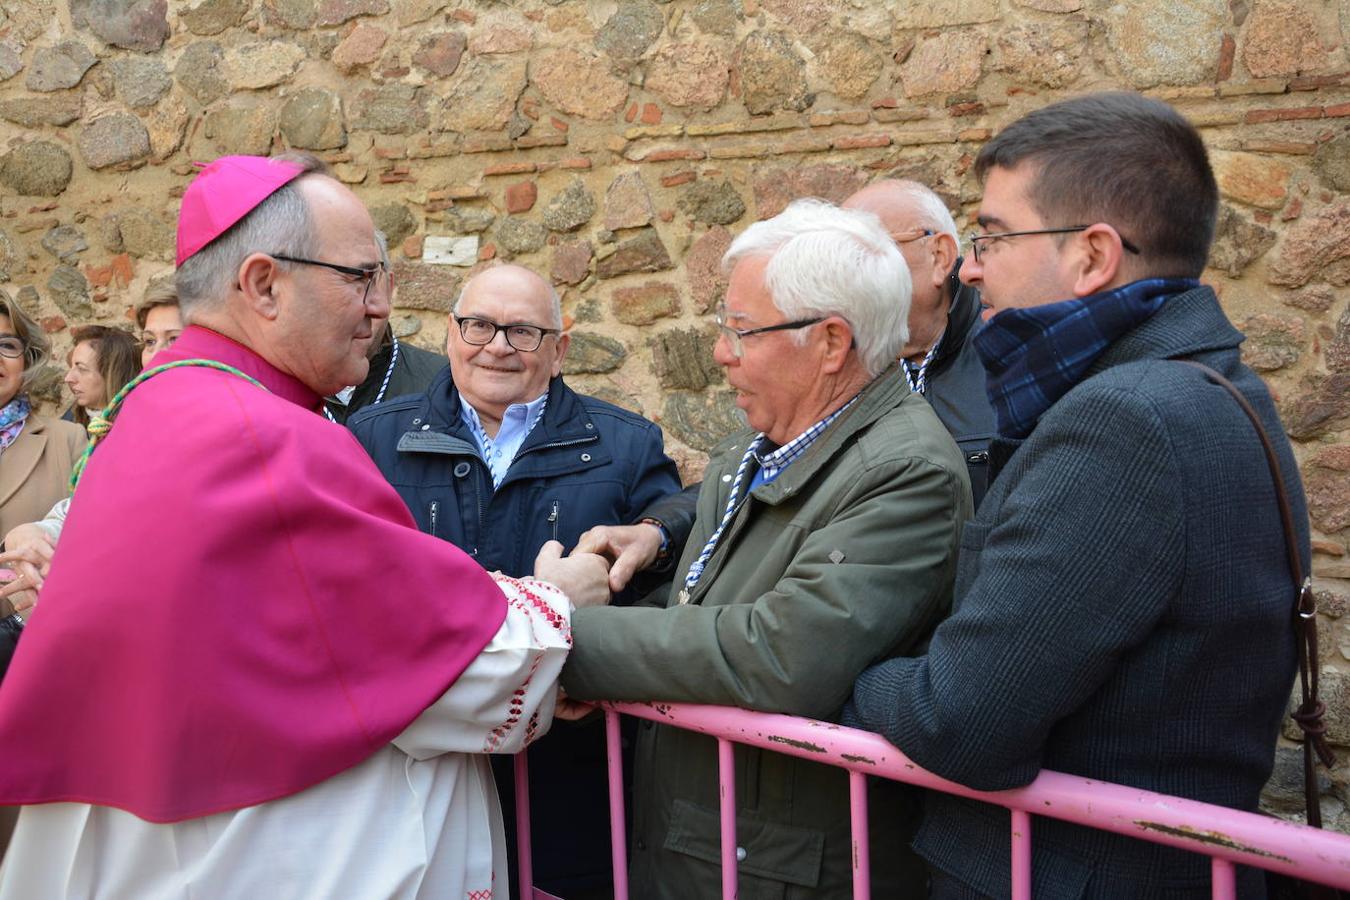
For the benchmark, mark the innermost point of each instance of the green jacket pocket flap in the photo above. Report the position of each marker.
(772, 850)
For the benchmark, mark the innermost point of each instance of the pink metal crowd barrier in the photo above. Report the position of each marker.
(1226, 836)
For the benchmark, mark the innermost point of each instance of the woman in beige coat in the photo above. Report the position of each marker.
(36, 452)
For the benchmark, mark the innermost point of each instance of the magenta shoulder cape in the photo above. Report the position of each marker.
(239, 606)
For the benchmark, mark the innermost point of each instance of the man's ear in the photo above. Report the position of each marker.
(1099, 260)
(258, 276)
(564, 340)
(838, 336)
(945, 253)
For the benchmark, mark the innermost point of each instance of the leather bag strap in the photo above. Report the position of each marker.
(1310, 713)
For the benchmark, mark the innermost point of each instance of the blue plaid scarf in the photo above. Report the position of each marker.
(1034, 355)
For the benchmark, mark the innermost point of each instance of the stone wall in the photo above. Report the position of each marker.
(617, 146)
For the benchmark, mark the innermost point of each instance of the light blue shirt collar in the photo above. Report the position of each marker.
(517, 423)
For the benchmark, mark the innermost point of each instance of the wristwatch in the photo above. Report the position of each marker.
(664, 552)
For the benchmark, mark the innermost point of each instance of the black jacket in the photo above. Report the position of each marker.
(586, 463)
(1123, 612)
(955, 384)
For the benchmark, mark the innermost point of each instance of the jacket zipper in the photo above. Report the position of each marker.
(432, 513)
(553, 446)
(553, 518)
(482, 511)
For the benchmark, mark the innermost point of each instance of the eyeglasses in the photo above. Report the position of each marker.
(11, 347)
(522, 337)
(735, 336)
(906, 237)
(975, 239)
(376, 276)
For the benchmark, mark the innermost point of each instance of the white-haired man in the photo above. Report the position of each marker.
(938, 361)
(939, 358)
(825, 538)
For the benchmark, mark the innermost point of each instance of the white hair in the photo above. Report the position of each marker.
(828, 261)
(554, 301)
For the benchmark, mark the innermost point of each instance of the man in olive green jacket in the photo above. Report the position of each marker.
(825, 540)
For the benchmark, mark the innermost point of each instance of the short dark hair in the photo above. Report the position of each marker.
(1123, 159)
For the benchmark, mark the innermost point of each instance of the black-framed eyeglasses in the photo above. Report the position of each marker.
(736, 335)
(370, 276)
(976, 239)
(522, 337)
(917, 234)
(11, 347)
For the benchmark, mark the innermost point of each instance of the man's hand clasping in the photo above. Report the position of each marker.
(583, 577)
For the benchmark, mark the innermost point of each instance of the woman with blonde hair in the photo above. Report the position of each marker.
(159, 319)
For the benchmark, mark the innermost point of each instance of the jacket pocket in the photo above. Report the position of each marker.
(787, 854)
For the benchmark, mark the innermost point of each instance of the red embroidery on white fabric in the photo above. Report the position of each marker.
(485, 894)
(537, 604)
(497, 736)
(536, 612)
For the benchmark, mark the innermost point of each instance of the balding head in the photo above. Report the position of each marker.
(919, 223)
(514, 305)
(905, 207)
(520, 283)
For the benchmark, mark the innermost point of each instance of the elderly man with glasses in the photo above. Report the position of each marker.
(499, 456)
(825, 540)
(939, 360)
